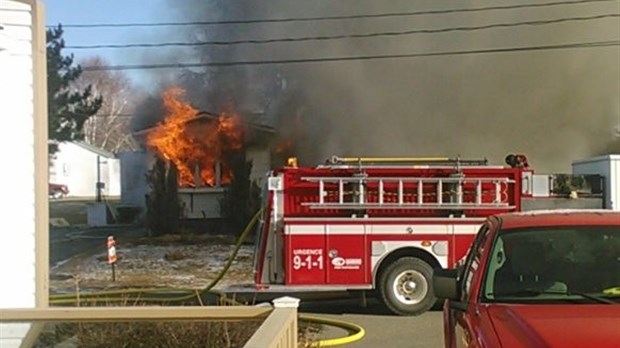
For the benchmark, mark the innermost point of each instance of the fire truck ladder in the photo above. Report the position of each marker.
(363, 161)
(351, 193)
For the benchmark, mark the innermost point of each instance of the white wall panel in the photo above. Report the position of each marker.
(17, 105)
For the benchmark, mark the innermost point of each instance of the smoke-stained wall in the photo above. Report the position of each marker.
(553, 105)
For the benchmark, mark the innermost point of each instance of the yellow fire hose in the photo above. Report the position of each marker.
(357, 332)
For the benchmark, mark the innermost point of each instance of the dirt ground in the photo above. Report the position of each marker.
(179, 261)
(147, 265)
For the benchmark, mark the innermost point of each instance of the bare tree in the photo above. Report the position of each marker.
(109, 128)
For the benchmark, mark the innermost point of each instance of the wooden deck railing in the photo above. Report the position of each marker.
(278, 330)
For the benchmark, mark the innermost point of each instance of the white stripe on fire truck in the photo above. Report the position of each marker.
(380, 229)
(447, 220)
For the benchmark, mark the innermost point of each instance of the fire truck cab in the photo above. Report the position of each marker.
(379, 224)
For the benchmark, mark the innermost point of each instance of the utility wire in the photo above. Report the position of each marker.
(349, 36)
(109, 115)
(592, 44)
(328, 18)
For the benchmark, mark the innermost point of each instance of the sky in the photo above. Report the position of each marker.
(554, 105)
(110, 11)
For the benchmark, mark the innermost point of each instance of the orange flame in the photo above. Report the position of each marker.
(195, 148)
(284, 147)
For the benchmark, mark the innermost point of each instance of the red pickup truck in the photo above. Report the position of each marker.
(536, 279)
(57, 190)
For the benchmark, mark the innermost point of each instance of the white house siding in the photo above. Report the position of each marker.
(134, 186)
(21, 176)
(607, 166)
(113, 186)
(76, 167)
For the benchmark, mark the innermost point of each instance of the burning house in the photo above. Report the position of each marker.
(207, 151)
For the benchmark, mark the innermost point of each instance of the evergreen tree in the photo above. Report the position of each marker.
(163, 206)
(242, 199)
(68, 108)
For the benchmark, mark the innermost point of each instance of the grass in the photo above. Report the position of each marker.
(207, 334)
(164, 334)
(175, 255)
(175, 334)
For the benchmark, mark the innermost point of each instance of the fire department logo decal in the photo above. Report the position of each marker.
(338, 262)
(346, 263)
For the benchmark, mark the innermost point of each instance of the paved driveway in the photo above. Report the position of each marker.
(383, 330)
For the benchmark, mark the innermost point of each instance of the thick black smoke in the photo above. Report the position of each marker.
(555, 106)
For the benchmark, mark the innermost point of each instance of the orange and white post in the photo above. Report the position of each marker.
(112, 255)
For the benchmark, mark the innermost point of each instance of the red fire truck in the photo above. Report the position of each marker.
(379, 223)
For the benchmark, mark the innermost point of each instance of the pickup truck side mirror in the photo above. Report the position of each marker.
(445, 284)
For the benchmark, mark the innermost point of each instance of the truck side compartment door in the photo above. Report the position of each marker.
(304, 254)
(347, 257)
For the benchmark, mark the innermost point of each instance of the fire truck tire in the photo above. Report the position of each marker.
(405, 286)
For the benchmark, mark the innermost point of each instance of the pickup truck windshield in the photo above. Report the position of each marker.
(579, 264)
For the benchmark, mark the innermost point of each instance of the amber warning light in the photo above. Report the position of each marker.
(292, 162)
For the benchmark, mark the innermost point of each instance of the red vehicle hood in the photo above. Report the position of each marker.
(575, 325)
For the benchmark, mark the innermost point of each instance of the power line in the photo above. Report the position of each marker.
(349, 36)
(110, 115)
(328, 18)
(593, 44)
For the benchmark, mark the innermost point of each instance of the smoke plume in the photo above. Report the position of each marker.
(554, 105)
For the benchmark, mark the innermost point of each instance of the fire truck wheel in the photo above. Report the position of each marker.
(405, 286)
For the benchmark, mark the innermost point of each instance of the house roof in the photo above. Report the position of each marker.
(202, 115)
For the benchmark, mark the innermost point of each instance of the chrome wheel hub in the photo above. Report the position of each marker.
(410, 287)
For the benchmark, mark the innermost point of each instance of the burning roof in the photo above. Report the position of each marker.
(197, 149)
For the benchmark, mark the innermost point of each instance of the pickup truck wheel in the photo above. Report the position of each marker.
(405, 286)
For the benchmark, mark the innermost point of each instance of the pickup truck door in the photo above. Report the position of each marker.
(467, 320)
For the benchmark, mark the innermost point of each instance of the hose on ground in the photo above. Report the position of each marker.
(356, 332)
